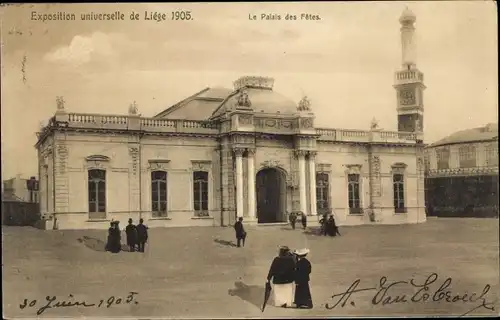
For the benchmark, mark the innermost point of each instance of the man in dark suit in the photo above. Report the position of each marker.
(142, 235)
(240, 232)
(131, 232)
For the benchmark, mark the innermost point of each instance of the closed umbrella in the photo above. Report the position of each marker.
(267, 294)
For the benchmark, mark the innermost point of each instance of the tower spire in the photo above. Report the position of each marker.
(408, 43)
(409, 81)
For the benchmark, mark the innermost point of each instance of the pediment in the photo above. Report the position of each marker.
(97, 157)
(399, 165)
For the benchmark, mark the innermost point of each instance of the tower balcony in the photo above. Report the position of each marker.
(408, 76)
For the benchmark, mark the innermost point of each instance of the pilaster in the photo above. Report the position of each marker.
(134, 178)
(375, 182)
(228, 199)
(61, 183)
(301, 154)
(238, 152)
(312, 183)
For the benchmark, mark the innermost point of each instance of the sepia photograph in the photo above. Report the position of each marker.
(250, 160)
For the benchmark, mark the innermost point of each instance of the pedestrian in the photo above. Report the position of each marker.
(114, 238)
(304, 221)
(323, 222)
(241, 234)
(142, 235)
(303, 297)
(293, 219)
(282, 274)
(109, 242)
(131, 232)
(333, 228)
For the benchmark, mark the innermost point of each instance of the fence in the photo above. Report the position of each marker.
(17, 213)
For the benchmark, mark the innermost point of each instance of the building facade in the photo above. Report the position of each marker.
(21, 189)
(462, 173)
(223, 153)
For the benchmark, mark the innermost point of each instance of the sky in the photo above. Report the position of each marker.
(344, 63)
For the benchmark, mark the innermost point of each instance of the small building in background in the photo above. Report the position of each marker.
(25, 190)
(462, 174)
(20, 201)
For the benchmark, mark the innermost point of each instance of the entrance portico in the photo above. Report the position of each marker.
(270, 186)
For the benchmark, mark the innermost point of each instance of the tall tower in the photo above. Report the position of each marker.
(409, 81)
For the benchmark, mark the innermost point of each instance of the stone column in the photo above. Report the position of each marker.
(251, 183)
(302, 180)
(312, 182)
(239, 181)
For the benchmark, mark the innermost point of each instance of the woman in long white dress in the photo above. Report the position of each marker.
(282, 274)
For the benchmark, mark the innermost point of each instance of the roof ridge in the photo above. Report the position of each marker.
(181, 103)
(224, 101)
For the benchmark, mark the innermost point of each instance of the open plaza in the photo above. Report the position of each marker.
(198, 272)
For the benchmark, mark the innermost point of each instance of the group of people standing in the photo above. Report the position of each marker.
(328, 225)
(290, 275)
(137, 236)
(294, 216)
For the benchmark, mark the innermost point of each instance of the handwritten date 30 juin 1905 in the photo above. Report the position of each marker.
(53, 302)
(422, 293)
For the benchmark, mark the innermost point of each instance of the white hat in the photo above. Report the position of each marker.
(301, 252)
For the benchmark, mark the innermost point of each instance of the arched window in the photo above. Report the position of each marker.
(399, 192)
(322, 192)
(159, 193)
(354, 194)
(97, 193)
(200, 193)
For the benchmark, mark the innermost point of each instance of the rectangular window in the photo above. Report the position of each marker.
(491, 155)
(200, 193)
(467, 156)
(353, 181)
(97, 194)
(159, 194)
(399, 193)
(443, 158)
(322, 193)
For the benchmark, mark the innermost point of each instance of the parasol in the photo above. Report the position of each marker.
(267, 294)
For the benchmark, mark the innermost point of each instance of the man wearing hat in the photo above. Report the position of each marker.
(131, 232)
(303, 297)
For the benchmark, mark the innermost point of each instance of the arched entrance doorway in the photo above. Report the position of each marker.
(271, 195)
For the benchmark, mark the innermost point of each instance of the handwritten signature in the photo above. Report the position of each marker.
(423, 294)
(52, 302)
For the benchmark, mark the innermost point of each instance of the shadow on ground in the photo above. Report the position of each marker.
(225, 243)
(97, 244)
(253, 294)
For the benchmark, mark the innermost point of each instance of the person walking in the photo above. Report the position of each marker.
(241, 234)
(303, 219)
(131, 232)
(323, 222)
(142, 235)
(303, 297)
(293, 219)
(333, 228)
(282, 275)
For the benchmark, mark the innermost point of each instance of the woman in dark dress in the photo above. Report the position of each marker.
(114, 238)
(303, 297)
